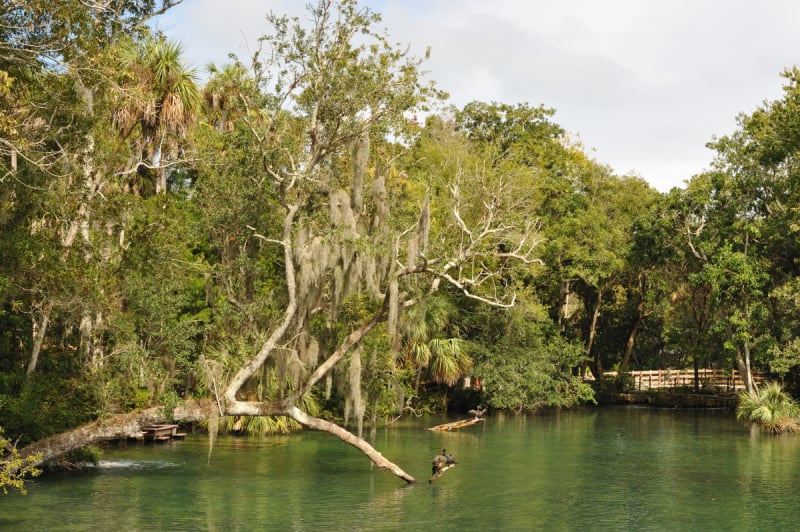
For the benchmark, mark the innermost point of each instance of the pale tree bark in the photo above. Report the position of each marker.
(598, 361)
(743, 363)
(351, 439)
(112, 428)
(39, 333)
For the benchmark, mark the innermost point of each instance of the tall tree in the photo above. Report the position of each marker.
(157, 101)
(323, 136)
(744, 233)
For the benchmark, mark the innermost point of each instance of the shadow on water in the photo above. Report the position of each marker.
(625, 468)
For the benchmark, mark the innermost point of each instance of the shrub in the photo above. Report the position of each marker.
(771, 408)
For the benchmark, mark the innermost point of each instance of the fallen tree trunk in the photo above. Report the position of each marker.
(129, 425)
(457, 424)
(112, 428)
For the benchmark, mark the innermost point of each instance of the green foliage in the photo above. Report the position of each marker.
(524, 365)
(14, 468)
(90, 454)
(153, 243)
(49, 403)
(771, 408)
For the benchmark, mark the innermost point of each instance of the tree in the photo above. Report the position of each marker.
(157, 99)
(740, 228)
(523, 361)
(61, 207)
(428, 348)
(322, 139)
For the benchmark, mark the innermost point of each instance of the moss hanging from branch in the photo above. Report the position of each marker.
(355, 404)
(360, 156)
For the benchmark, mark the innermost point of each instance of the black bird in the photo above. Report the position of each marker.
(442, 460)
(477, 412)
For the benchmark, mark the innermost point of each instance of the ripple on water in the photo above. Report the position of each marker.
(135, 464)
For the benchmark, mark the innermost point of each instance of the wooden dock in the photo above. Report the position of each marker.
(162, 433)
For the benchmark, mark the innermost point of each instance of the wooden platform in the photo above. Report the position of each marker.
(162, 433)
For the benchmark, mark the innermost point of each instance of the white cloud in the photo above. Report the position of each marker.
(645, 83)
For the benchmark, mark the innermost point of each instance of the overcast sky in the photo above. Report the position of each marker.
(645, 84)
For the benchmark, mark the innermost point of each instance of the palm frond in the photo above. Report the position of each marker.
(771, 408)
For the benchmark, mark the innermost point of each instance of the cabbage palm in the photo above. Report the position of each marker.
(771, 408)
(157, 101)
(222, 91)
(445, 359)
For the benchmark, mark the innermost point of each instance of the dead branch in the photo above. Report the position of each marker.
(440, 472)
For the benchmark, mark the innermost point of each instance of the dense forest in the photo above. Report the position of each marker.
(314, 237)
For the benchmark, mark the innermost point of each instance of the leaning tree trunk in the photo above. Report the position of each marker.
(112, 428)
(39, 332)
(640, 316)
(129, 425)
(626, 357)
(347, 437)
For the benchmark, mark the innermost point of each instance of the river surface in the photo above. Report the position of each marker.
(626, 468)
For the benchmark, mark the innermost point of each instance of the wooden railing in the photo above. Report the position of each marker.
(673, 378)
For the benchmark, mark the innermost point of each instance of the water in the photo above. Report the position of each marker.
(596, 469)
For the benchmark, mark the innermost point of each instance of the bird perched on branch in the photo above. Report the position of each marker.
(442, 460)
(477, 412)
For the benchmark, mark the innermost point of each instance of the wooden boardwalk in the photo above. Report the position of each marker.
(716, 379)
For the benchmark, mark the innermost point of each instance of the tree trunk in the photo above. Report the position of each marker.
(39, 332)
(349, 438)
(743, 363)
(116, 427)
(597, 370)
(626, 357)
(640, 315)
(128, 425)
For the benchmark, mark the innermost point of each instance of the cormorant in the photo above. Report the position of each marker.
(477, 412)
(442, 460)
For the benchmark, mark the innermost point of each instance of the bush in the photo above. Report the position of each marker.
(771, 408)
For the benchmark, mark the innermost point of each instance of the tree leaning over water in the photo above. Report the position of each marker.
(360, 241)
(323, 125)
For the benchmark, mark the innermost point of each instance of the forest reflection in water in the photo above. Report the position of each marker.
(626, 468)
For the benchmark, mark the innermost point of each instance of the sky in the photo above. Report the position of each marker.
(644, 84)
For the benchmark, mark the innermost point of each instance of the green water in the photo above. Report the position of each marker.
(596, 469)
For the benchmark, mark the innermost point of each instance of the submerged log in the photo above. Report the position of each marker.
(457, 424)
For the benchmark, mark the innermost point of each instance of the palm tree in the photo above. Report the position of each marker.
(771, 408)
(226, 85)
(444, 359)
(157, 101)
